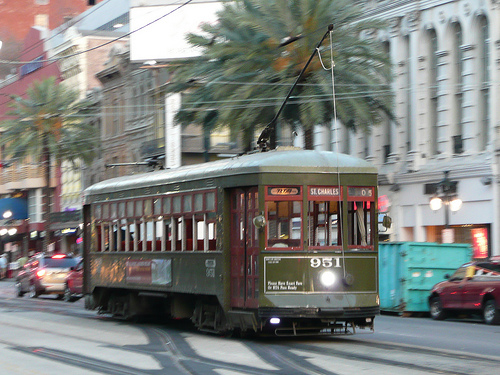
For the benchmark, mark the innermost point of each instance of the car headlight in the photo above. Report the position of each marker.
(327, 278)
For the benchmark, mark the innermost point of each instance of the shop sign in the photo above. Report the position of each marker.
(480, 243)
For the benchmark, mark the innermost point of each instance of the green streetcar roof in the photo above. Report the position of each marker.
(276, 161)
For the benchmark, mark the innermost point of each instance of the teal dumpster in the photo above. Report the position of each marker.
(408, 271)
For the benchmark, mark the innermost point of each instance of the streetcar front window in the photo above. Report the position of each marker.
(324, 225)
(360, 221)
(284, 223)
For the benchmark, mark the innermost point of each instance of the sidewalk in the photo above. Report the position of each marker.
(8, 288)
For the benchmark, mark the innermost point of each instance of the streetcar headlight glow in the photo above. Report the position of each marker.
(327, 278)
(275, 320)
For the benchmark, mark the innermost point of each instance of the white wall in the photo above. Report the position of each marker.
(159, 28)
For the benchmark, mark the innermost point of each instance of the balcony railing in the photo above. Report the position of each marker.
(20, 173)
(22, 177)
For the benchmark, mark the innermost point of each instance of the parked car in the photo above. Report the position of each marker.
(74, 283)
(473, 288)
(44, 274)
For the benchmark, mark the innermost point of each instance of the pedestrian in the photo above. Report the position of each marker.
(3, 266)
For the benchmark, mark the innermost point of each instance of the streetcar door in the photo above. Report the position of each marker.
(244, 248)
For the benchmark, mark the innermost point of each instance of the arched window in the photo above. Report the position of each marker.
(483, 81)
(457, 82)
(408, 74)
(387, 126)
(433, 92)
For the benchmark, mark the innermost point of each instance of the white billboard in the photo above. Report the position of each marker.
(173, 138)
(159, 28)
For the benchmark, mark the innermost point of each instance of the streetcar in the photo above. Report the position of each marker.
(283, 241)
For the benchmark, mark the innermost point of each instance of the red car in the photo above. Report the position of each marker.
(473, 288)
(74, 283)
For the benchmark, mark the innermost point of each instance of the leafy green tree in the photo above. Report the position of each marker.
(49, 126)
(256, 50)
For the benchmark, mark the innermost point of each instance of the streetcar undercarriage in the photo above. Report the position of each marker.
(207, 314)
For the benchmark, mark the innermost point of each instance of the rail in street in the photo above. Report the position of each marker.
(47, 336)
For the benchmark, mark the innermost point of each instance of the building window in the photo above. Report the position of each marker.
(483, 72)
(457, 83)
(433, 88)
(42, 20)
(387, 126)
(409, 120)
(34, 202)
(116, 114)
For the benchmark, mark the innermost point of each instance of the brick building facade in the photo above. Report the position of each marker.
(18, 16)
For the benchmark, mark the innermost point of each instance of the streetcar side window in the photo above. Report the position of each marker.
(205, 233)
(180, 222)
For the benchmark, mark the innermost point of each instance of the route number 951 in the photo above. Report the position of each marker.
(325, 262)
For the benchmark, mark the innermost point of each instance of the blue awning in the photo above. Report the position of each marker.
(18, 207)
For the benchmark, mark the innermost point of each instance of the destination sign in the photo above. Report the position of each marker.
(362, 192)
(325, 191)
(280, 191)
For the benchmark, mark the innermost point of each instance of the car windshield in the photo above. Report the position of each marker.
(60, 262)
(459, 274)
(488, 269)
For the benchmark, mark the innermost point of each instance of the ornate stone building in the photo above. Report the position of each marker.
(446, 58)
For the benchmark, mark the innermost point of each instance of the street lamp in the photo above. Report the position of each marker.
(446, 194)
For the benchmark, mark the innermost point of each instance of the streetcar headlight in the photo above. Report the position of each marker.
(275, 320)
(327, 278)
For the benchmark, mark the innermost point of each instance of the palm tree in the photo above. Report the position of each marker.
(50, 127)
(251, 57)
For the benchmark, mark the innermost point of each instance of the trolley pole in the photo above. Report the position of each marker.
(267, 139)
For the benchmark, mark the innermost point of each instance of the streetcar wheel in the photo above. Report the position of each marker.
(19, 289)
(436, 309)
(32, 293)
(491, 313)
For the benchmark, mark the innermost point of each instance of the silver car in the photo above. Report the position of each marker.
(45, 274)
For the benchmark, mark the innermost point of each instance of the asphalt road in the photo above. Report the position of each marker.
(467, 334)
(45, 336)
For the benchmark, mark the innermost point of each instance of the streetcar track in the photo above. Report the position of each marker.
(176, 345)
(84, 362)
(352, 355)
(420, 350)
(169, 347)
(289, 360)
